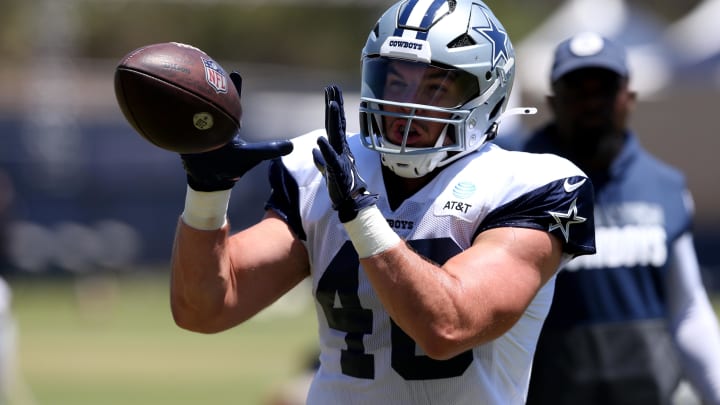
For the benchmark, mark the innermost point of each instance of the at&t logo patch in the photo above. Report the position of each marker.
(456, 202)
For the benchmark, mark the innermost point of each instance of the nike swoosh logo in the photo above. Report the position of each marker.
(569, 188)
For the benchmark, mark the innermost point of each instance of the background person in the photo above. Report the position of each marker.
(621, 319)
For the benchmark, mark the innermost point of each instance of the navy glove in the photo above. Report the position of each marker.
(334, 160)
(219, 169)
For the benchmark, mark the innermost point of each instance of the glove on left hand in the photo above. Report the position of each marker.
(335, 161)
(219, 169)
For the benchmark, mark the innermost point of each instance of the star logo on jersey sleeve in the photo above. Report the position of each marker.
(497, 38)
(563, 220)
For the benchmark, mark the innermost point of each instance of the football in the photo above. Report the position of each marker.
(177, 97)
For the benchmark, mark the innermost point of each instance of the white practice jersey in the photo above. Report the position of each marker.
(365, 358)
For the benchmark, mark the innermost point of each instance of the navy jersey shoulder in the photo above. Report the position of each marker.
(553, 196)
(285, 186)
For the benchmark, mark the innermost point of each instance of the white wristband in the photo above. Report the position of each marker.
(206, 211)
(370, 232)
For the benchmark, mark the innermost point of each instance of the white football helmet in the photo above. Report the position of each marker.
(460, 42)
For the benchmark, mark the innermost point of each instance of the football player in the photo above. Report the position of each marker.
(432, 252)
(619, 316)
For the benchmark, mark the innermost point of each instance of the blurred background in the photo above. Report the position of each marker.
(88, 208)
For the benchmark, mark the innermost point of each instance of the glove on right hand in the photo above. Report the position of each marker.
(219, 169)
(336, 163)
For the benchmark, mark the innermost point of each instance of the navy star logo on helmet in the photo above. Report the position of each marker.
(497, 37)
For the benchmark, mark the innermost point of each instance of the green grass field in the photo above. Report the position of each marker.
(112, 341)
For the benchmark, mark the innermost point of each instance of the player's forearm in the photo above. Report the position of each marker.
(442, 315)
(199, 282)
(430, 304)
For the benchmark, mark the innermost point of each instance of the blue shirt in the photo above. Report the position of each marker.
(607, 336)
(639, 212)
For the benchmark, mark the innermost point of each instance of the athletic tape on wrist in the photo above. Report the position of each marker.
(206, 211)
(370, 232)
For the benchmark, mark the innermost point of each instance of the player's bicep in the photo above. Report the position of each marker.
(267, 260)
(527, 253)
(270, 246)
(503, 271)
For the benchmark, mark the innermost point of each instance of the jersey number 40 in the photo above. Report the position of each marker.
(341, 278)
